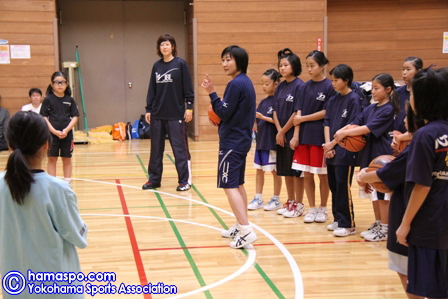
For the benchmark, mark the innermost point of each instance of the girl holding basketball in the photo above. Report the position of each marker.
(393, 175)
(376, 121)
(39, 218)
(410, 67)
(424, 228)
(341, 110)
(309, 134)
(265, 151)
(285, 97)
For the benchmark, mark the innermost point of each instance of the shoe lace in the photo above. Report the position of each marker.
(292, 207)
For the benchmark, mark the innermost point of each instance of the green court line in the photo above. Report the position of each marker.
(187, 253)
(259, 269)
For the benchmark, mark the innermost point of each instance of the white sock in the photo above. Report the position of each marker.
(245, 229)
(276, 197)
(68, 180)
(378, 221)
(259, 196)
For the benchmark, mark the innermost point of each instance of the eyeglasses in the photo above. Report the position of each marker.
(60, 83)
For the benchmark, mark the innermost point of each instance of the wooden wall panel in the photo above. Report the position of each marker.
(262, 27)
(27, 22)
(376, 36)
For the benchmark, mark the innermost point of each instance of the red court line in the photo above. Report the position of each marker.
(135, 250)
(268, 244)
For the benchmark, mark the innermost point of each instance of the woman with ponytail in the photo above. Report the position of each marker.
(39, 219)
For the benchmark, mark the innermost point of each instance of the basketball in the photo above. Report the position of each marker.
(376, 164)
(402, 145)
(212, 115)
(353, 143)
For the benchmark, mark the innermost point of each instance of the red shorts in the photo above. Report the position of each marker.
(309, 158)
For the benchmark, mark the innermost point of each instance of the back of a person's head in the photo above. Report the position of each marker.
(430, 93)
(26, 134)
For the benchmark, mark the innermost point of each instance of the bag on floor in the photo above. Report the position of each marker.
(128, 131)
(143, 128)
(134, 131)
(119, 131)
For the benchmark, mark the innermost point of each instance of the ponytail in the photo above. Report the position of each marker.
(27, 133)
(68, 90)
(18, 176)
(293, 59)
(394, 99)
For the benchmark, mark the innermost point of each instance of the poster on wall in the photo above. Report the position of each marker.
(4, 54)
(445, 42)
(20, 52)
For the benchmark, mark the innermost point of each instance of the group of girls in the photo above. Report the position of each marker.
(312, 118)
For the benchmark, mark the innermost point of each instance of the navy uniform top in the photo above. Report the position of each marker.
(427, 166)
(266, 131)
(313, 98)
(169, 89)
(59, 111)
(286, 95)
(342, 110)
(393, 175)
(237, 114)
(379, 120)
(404, 95)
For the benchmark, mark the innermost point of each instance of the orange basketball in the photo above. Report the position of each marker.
(353, 143)
(376, 164)
(212, 115)
(402, 145)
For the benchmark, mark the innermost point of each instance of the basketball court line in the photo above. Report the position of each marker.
(299, 293)
(249, 262)
(133, 240)
(258, 245)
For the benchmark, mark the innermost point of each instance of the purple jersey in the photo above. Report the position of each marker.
(393, 175)
(342, 110)
(427, 166)
(313, 98)
(266, 131)
(404, 95)
(286, 95)
(379, 120)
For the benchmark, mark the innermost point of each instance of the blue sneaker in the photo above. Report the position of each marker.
(255, 204)
(273, 204)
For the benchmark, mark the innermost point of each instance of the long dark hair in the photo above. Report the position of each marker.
(386, 81)
(68, 90)
(430, 91)
(26, 134)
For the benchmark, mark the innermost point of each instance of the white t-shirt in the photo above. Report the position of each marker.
(29, 107)
(41, 234)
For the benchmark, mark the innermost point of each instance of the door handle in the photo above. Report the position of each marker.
(130, 84)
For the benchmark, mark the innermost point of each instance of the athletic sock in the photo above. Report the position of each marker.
(276, 197)
(259, 196)
(245, 229)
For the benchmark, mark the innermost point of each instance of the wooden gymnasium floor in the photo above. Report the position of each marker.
(289, 258)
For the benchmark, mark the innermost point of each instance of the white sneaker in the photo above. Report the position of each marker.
(369, 230)
(311, 216)
(286, 207)
(297, 209)
(231, 232)
(377, 234)
(344, 232)
(322, 215)
(255, 204)
(243, 240)
(333, 226)
(273, 204)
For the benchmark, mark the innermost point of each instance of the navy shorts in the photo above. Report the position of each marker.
(231, 169)
(428, 272)
(61, 147)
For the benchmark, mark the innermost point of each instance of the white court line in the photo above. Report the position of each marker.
(250, 260)
(299, 294)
